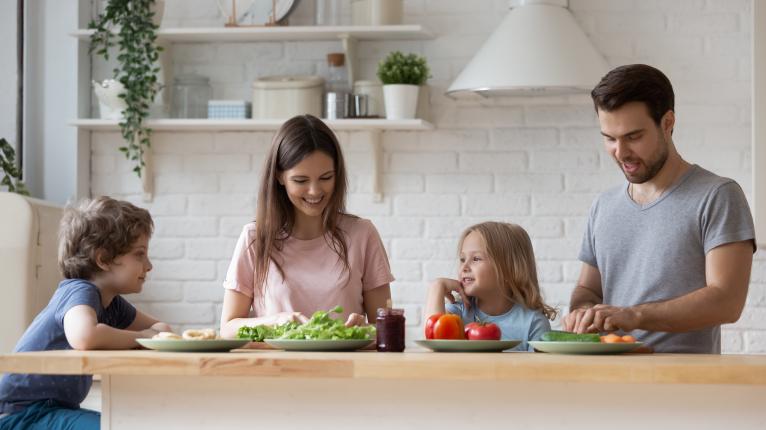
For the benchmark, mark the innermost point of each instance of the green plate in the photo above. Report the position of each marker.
(440, 345)
(183, 345)
(319, 345)
(583, 347)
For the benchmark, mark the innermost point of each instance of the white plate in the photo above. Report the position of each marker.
(184, 345)
(583, 347)
(319, 345)
(444, 345)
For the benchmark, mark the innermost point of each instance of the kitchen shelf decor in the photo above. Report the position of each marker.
(348, 35)
(216, 125)
(402, 75)
(137, 56)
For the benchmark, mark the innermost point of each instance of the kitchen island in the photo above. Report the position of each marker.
(414, 390)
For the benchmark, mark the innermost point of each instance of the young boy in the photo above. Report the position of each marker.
(103, 245)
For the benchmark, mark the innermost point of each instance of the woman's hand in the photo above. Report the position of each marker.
(355, 320)
(284, 317)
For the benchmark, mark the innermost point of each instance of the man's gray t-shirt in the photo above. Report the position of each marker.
(657, 252)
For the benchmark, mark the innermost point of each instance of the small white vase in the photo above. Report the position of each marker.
(110, 104)
(401, 100)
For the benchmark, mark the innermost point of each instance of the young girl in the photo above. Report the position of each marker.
(304, 253)
(497, 283)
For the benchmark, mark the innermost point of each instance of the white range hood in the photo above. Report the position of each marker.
(538, 49)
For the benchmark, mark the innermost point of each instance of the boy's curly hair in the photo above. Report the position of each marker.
(102, 224)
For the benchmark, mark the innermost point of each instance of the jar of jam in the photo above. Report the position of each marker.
(389, 326)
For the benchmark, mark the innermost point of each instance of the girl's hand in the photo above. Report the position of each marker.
(448, 286)
(355, 320)
(284, 317)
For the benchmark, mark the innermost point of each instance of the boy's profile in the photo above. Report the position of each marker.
(103, 254)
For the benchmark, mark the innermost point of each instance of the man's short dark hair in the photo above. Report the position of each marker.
(635, 83)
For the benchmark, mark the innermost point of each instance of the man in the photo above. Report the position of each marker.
(666, 255)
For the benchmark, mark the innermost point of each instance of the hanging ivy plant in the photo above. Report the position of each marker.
(138, 69)
(11, 172)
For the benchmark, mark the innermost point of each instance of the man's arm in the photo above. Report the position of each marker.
(586, 294)
(727, 275)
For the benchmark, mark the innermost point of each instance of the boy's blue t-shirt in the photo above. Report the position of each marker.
(519, 323)
(46, 333)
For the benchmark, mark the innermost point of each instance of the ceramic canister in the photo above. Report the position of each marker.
(286, 96)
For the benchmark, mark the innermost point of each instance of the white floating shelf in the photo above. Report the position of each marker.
(254, 34)
(255, 124)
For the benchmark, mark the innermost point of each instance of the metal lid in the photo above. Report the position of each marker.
(282, 82)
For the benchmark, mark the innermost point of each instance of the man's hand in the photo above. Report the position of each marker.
(576, 318)
(603, 318)
(611, 318)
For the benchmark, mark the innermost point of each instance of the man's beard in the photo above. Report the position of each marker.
(653, 166)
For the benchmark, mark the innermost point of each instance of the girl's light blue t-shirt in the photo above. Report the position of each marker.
(519, 323)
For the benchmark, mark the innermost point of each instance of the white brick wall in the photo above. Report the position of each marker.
(538, 162)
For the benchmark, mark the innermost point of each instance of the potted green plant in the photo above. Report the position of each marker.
(134, 24)
(402, 75)
(11, 173)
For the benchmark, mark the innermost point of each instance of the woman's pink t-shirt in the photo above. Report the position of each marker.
(314, 275)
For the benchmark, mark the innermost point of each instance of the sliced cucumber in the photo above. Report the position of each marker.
(565, 336)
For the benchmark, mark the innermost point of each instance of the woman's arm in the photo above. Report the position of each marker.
(374, 299)
(236, 311)
(84, 332)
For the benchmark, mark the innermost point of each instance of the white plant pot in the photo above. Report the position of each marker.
(401, 100)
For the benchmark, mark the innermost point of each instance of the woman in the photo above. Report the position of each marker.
(304, 253)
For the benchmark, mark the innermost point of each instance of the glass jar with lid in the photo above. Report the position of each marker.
(191, 93)
(389, 328)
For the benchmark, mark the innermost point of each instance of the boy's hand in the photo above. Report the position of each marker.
(161, 326)
(147, 334)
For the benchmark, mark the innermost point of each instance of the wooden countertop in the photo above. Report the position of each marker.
(628, 368)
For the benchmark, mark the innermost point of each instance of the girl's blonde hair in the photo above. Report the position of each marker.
(509, 249)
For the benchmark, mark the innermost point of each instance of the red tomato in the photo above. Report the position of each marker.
(449, 326)
(482, 331)
(430, 325)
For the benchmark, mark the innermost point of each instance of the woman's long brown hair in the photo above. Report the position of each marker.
(295, 140)
(510, 250)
